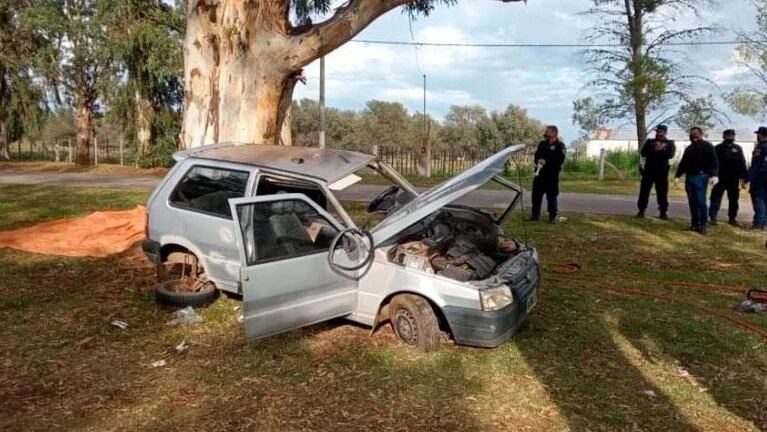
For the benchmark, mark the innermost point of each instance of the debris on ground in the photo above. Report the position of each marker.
(650, 393)
(185, 316)
(158, 363)
(120, 324)
(750, 306)
(182, 346)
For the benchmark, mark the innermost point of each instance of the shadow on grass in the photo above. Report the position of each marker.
(66, 367)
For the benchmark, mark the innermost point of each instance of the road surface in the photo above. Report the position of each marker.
(568, 202)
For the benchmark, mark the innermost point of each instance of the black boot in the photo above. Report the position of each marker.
(733, 222)
(640, 215)
(714, 221)
(663, 215)
(534, 218)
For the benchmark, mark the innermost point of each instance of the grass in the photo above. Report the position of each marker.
(618, 344)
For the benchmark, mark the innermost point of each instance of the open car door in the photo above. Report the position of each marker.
(284, 243)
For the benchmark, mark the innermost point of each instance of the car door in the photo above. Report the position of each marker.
(284, 243)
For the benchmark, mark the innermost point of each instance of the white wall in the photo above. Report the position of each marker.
(593, 147)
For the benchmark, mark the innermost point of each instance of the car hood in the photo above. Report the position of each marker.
(441, 195)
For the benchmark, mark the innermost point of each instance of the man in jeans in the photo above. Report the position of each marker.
(699, 164)
(656, 154)
(732, 169)
(757, 177)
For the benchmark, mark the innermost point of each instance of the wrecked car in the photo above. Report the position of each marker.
(266, 223)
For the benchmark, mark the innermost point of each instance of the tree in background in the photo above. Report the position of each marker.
(469, 128)
(642, 75)
(145, 97)
(515, 126)
(74, 58)
(751, 100)
(700, 112)
(589, 116)
(386, 124)
(242, 59)
(21, 101)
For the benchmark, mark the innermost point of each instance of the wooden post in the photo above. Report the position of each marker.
(107, 160)
(56, 150)
(121, 151)
(69, 150)
(601, 164)
(95, 150)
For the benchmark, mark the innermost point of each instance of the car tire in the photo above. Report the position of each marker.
(414, 322)
(166, 296)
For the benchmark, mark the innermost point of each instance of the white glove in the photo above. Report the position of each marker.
(714, 180)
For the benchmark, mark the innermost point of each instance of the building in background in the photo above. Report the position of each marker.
(613, 141)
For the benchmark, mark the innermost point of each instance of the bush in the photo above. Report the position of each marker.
(574, 164)
(625, 160)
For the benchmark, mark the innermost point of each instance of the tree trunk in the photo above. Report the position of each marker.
(4, 144)
(242, 59)
(636, 33)
(144, 119)
(83, 139)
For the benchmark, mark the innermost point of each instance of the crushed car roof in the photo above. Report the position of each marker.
(328, 165)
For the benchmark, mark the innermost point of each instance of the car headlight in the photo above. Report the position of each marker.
(495, 298)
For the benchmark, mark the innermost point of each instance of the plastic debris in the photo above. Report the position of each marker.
(120, 324)
(182, 346)
(158, 363)
(185, 316)
(750, 306)
(240, 319)
(650, 393)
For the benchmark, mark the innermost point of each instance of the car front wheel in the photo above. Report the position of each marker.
(414, 322)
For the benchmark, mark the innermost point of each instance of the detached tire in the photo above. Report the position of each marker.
(166, 296)
(414, 322)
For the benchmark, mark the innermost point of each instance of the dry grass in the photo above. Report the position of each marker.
(616, 345)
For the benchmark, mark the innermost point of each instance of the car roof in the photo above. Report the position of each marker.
(328, 165)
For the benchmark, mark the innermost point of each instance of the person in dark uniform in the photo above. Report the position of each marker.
(548, 161)
(699, 164)
(656, 154)
(732, 169)
(757, 178)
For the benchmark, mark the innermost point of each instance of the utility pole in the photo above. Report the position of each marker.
(322, 102)
(426, 143)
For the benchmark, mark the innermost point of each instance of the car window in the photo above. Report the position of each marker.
(208, 190)
(271, 185)
(283, 229)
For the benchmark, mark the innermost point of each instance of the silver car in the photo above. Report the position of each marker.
(266, 223)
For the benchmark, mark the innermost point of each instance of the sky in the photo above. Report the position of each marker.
(544, 81)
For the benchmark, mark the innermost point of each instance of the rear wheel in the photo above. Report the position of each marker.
(181, 282)
(414, 322)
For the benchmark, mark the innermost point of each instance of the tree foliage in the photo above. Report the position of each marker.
(643, 74)
(751, 99)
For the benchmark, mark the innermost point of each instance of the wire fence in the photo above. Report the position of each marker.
(442, 162)
(102, 151)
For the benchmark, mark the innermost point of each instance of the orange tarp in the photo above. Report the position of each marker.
(99, 234)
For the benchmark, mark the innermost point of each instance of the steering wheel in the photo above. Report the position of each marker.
(386, 194)
(342, 269)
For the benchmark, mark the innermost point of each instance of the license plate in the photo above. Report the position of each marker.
(532, 301)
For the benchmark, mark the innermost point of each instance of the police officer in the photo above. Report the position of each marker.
(699, 164)
(548, 161)
(732, 169)
(656, 154)
(757, 177)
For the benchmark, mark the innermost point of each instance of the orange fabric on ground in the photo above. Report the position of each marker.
(99, 234)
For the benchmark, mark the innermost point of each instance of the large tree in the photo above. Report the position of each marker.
(242, 59)
(751, 98)
(145, 38)
(74, 58)
(640, 75)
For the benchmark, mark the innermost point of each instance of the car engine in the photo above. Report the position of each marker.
(458, 243)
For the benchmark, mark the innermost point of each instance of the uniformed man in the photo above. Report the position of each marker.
(699, 165)
(548, 161)
(757, 177)
(732, 170)
(656, 154)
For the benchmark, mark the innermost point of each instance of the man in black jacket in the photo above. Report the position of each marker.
(732, 169)
(548, 161)
(656, 154)
(699, 164)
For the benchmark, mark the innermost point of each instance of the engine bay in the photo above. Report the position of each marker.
(460, 243)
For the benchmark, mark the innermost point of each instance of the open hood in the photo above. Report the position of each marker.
(441, 195)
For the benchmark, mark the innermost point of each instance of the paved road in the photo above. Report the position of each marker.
(569, 202)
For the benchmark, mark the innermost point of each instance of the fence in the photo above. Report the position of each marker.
(443, 162)
(102, 151)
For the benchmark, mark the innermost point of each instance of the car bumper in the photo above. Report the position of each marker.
(152, 250)
(488, 329)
